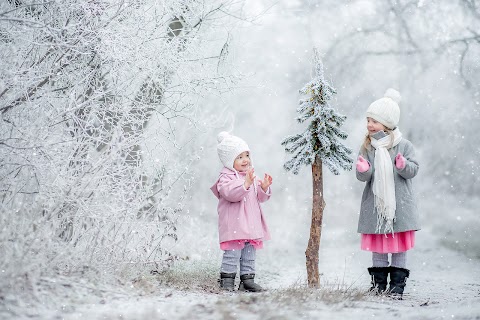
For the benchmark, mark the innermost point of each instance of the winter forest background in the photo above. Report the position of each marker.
(110, 111)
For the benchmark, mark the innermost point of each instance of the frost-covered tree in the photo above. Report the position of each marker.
(319, 144)
(99, 100)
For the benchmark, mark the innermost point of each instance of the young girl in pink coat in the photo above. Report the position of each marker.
(241, 224)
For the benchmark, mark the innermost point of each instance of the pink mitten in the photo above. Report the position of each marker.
(362, 164)
(400, 161)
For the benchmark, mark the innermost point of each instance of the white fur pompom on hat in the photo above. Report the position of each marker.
(393, 94)
(222, 135)
(386, 110)
(229, 147)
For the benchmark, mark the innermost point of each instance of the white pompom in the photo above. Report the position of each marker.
(222, 135)
(393, 94)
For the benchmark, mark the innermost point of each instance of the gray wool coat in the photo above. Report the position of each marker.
(406, 214)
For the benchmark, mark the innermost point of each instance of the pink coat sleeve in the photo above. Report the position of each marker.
(231, 190)
(262, 195)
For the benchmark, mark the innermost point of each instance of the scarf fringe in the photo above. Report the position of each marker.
(384, 215)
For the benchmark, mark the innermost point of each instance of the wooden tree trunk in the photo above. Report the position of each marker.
(318, 204)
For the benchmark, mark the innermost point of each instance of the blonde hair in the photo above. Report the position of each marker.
(367, 143)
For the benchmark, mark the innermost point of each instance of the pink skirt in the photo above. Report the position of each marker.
(386, 243)
(239, 244)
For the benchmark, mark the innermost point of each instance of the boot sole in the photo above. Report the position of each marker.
(242, 289)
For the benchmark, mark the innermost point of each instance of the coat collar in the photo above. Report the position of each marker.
(227, 171)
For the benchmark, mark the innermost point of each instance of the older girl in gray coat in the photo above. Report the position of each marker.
(388, 213)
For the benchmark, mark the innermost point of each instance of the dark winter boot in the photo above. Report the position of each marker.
(379, 279)
(227, 281)
(248, 284)
(398, 280)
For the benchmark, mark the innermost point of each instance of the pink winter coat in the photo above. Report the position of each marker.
(240, 215)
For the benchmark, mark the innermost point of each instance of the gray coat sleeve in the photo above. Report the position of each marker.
(411, 167)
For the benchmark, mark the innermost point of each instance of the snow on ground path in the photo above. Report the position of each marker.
(443, 285)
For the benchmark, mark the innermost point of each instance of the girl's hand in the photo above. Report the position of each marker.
(400, 161)
(249, 178)
(362, 164)
(266, 182)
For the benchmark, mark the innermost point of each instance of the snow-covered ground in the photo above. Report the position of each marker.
(444, 284)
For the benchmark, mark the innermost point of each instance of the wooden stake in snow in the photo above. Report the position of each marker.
(318, 204)
(318, 145)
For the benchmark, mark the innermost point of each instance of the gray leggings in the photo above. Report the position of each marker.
(399, 259)
(246, 258)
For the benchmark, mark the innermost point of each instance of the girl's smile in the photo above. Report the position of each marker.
(242, 162)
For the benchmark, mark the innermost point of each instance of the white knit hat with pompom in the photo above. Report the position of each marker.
(229, 147)
(386, 110)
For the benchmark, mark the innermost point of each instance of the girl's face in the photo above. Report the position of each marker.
(374, 126)
(242, 162)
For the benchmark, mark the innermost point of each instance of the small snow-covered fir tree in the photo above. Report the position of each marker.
(318, 144)
(322, 137)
